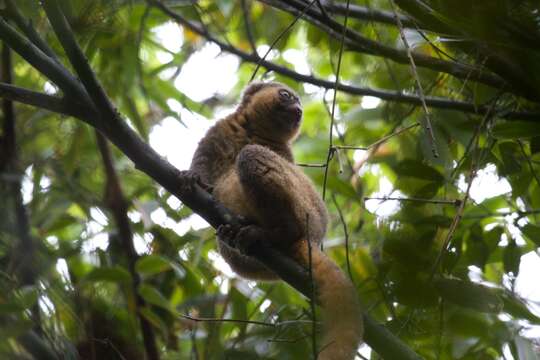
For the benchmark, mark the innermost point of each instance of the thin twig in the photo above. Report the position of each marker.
(456, 202)
(459, 213)
(138, 45)
(311, 165)
(346, 233)
(390, 70)
(372, 149)
(280, 35)
(348, 147)
(520, 214)
(222, 320)
(340, 135)
(427, 121)
(396, 133)
(248, 27)
(528, 158)
(331, 149)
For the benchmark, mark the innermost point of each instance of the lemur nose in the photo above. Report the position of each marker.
(297, 109)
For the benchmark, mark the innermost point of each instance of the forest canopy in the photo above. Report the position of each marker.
(421, 130)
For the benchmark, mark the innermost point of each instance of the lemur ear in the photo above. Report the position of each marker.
(251, 90)
(254, 88)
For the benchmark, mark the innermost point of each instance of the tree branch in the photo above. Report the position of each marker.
(365, 13)
(357, 42)
(397, 96)
(52, 103)
(117, 204)
(119, 133)
(26, 27)
(42, 62)
(24, 247)
(513, 73)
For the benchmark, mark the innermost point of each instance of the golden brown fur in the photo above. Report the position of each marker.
(247, 159)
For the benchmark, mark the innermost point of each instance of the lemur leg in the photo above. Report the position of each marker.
(270, 182)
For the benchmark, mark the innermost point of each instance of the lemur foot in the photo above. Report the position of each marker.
(244, 238)
(188, 179)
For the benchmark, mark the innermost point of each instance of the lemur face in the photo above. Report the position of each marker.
(276, 108)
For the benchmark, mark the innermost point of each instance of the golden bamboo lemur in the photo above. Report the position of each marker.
(246, 158)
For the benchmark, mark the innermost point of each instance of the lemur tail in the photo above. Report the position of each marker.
(341, 313)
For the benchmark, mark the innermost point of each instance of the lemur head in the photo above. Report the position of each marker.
(273, 111)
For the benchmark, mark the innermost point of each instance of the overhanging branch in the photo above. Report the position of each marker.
(396, 96)
(357, 42)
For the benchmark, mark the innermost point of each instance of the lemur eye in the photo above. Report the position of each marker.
(284, 94)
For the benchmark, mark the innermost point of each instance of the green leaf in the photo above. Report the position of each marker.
(511, 156)
(9, 308)
(469, 295)
(417, 169)
(360, 114)
(152, 264)
(516, 129)
(517, 308)
(154, 319)
(114, 274)
(27, 296)
(153, 296)
(532, 232)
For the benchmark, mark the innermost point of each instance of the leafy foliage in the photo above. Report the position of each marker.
(439, 269)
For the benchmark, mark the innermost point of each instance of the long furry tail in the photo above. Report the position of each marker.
(341, 313)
